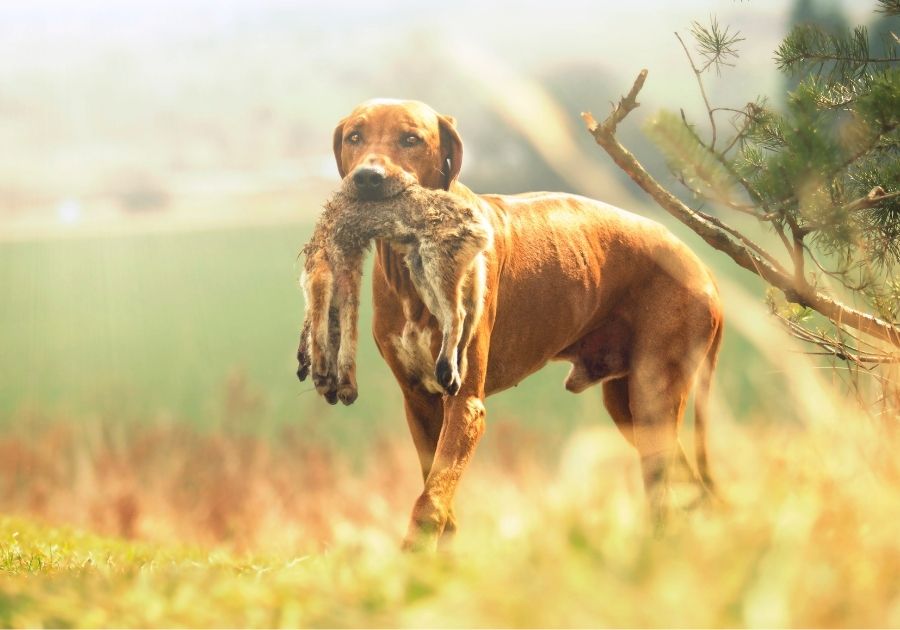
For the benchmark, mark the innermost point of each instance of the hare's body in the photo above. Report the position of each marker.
(441, 238)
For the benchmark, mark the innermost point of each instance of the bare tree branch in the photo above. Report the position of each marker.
(720, 198)
(739, 135)
(697, 73)
(797, 251)
(836, 348)
(843, 278)
(626, 104)
(872, 199)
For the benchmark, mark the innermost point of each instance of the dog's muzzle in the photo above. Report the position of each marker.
(369, 182)
(372, 183)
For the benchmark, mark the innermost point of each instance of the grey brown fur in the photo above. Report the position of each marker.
(441, 238)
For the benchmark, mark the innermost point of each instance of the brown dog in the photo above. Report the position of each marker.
(567, 278)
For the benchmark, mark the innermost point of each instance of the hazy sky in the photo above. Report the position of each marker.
(93, 92)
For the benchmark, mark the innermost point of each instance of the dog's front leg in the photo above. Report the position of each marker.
(463, 426)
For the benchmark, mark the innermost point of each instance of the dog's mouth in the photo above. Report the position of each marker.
(369, 195)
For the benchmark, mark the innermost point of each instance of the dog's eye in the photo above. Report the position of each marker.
(411, 140)
(353, 138)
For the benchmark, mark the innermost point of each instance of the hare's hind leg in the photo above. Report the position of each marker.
(347, 287)
(445, 274)
(473, 287)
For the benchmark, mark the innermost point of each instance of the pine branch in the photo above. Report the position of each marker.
(888, 7)
(715, 44)
(797, 257)
(875, 196)
(748, 187)
(807, 46)
(879, 225)
(722, 240)
(745, 241)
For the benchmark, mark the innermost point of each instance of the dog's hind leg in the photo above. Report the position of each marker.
(666, 358)
(616, 401)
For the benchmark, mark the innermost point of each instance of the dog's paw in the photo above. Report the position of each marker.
(447, 376)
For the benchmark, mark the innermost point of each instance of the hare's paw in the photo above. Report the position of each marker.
(347, 393)
(304, 360)
(326, 385)
(447, 375)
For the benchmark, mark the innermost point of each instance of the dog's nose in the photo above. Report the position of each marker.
(368, 179)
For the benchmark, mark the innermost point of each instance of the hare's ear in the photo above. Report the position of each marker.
(338, 143)
(451, 150)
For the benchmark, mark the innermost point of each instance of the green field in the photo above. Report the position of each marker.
(156, 324)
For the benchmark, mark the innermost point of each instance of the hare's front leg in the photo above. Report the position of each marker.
(318, 284)
(304, 361)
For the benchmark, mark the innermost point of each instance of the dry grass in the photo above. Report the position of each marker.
(171, 483)
(808, 536)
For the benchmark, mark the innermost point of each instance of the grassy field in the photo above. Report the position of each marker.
(161, 466)
(804, 542)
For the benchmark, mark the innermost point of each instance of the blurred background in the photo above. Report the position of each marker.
(162, 163)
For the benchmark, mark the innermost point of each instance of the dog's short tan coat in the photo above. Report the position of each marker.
(566, 278)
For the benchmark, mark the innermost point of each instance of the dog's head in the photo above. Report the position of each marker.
(383, 146)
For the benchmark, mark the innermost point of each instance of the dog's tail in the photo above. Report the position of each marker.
(701, 407)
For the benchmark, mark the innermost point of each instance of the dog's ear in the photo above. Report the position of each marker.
(451, 150)
(338, 143)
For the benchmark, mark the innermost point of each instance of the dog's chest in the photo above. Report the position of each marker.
(414, 352)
